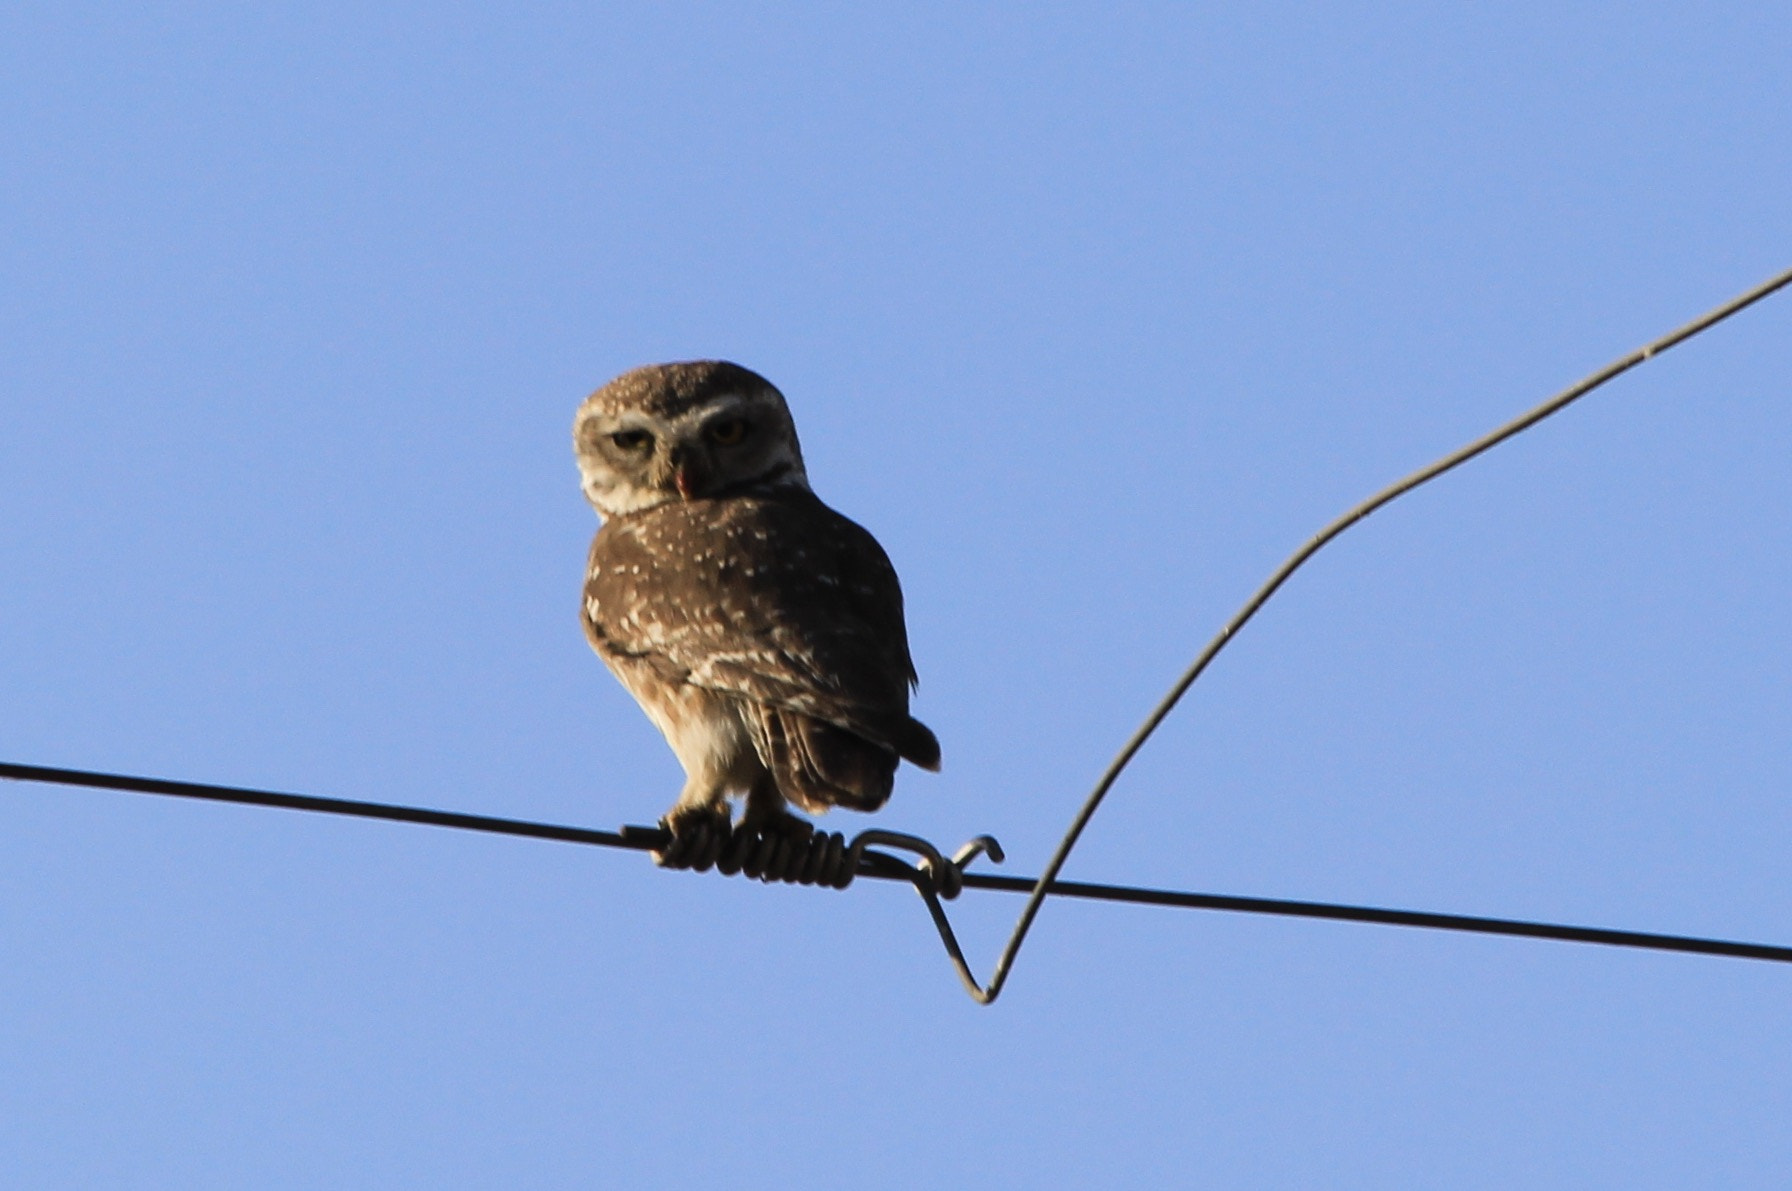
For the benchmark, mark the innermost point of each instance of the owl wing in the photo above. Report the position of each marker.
(773, 598)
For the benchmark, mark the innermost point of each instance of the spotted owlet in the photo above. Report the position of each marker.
(760, 630)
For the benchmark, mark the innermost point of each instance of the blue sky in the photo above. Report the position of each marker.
(1091, 314)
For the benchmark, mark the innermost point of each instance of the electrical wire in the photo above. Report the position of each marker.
(883, 867)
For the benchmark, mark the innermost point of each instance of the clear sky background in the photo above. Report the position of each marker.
(1091, 314)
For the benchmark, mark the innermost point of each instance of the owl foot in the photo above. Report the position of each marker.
(765, 845)
(700, 834)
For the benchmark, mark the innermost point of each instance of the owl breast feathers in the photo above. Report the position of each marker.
(760, 630)
(779, 605)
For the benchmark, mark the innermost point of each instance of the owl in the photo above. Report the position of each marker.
(760, 631)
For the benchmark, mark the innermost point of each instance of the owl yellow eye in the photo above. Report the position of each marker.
(632, 440)
(726, 432)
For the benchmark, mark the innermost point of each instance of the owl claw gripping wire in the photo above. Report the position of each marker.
(696, 843)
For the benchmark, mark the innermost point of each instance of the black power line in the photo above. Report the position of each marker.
(882, 866)
(316, 805)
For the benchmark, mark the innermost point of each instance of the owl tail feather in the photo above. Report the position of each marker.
(919, 746)
(818, 765)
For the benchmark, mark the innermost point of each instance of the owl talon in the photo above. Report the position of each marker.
(710, 846)
(698, 839)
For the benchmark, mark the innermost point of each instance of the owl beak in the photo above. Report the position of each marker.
(688, 474)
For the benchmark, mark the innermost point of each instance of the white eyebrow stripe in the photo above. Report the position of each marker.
(723, 403)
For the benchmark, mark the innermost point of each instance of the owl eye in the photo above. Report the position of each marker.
(632, 440)
(726, 432)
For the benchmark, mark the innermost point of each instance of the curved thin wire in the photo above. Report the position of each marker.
(1487, 442)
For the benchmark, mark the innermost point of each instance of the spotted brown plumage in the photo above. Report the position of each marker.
(761, 631)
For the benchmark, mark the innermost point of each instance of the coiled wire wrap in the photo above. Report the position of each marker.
(827, 860)
(824, 858)
(777, 854)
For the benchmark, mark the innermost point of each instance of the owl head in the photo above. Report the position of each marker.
(690, 431)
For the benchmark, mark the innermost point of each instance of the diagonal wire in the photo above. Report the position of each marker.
(883, 867)
(1567, 397)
